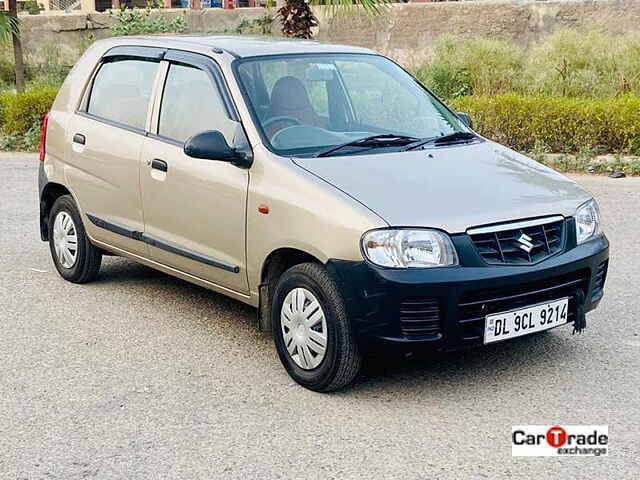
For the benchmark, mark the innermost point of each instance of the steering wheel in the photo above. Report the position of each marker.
(293, 121)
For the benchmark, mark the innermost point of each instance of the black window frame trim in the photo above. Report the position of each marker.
(135, 51)
(113, 123)
(210, 67)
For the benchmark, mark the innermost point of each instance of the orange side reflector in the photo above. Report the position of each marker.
(263, 209)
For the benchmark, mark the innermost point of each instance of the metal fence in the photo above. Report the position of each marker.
(65, 5)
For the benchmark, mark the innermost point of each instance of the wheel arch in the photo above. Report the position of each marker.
(274, 265)
(50, 193)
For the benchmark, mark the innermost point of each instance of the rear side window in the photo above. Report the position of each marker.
(122, 90)
(191, 104)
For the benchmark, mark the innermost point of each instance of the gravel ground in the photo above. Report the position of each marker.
(140, 375)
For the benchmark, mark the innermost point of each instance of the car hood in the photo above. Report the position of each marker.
(451, 188)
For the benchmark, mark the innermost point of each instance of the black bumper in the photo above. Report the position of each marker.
(42, 183)
(444, 308)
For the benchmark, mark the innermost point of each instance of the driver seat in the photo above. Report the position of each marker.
(289, 98)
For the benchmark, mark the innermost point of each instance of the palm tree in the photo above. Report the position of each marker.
(297, 17)
(10, 31)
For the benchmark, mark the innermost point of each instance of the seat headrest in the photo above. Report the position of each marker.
(289, 94)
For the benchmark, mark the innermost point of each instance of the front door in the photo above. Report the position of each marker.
(194, 210)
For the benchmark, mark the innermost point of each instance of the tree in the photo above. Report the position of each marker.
(297, 17)
(10, 31)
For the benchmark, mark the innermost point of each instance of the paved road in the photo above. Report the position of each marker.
(140, 375)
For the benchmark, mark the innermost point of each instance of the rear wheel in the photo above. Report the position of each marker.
(75, 257)
(311, 328)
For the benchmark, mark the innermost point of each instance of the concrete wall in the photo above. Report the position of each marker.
(63, 37)
(405, 32)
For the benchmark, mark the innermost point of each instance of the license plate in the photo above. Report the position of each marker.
(515, 323)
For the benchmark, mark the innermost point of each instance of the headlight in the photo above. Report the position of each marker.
(405, 248)
(587, 221)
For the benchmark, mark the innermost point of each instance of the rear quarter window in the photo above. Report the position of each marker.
(121, 91)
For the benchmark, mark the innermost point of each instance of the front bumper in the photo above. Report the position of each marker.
(444, 308)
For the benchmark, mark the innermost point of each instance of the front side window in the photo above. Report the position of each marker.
(122, 90)
(191, 104)
(305, 104)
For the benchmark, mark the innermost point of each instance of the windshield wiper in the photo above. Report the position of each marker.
(450, 138)
(383, 140)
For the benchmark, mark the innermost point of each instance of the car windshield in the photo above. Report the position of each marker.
(307, 104)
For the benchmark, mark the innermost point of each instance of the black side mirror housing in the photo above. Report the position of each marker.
(466, 119)
(211, 145)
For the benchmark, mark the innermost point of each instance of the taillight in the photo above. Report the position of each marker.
(42, 148)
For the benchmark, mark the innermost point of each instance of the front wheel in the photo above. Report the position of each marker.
(312, 333)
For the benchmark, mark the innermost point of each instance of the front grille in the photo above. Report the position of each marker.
(476, 305)
(599, 278)
(525, 244)
(420, 317)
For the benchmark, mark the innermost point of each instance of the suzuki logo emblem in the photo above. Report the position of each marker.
(525, 242)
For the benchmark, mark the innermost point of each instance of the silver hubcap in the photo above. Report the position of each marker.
(304, 328)
(65, 239)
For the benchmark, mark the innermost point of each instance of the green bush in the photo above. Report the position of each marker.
(7, 74)
(3, 102)
(567, 63)
(137, 21)
(32, 7)
(28, 142)
(444, 74)
(564, 125)
(479, 66)
(20, 112)
(262, 25)
(577, 64)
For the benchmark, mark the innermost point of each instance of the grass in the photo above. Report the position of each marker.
(26, 142)
(568, 63)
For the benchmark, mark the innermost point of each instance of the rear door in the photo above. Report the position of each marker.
(194, 209)
(107, 134)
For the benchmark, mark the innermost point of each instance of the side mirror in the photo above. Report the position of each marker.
(211, 145)
(466, 119)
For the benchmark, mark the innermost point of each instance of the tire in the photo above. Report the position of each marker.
(341, 360)
(84, 266)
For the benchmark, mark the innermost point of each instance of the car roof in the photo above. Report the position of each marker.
(246, 46)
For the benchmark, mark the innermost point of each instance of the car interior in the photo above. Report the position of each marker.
(308, 103)
(286, 110)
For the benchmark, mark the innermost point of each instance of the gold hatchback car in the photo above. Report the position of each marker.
(321, 184)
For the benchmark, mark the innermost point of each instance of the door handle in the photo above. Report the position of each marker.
(159, 165)
(79, 139)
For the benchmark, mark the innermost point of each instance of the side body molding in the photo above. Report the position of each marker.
(158, 243)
